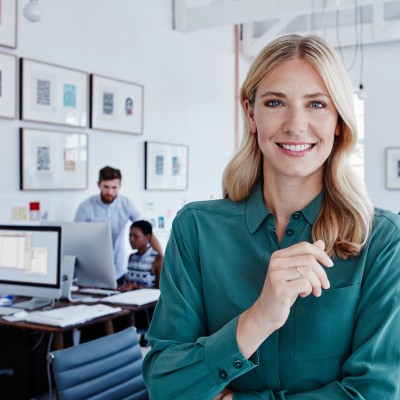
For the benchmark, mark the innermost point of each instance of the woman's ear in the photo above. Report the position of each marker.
(338, 125)
(250, 116)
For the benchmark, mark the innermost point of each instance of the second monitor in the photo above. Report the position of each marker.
(91, 243)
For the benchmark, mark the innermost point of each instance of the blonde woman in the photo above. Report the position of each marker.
(289, 288)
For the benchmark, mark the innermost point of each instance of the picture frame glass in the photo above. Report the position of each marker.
(166, 166)
(116, 105)
(53, 94)
(8, 86)
(393, 168)
(53, 160)
(8, 23)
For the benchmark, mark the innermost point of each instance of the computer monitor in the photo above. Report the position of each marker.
(91, 243)
(30, 263)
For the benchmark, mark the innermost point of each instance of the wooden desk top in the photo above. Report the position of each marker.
(57, 329)
(130, 307)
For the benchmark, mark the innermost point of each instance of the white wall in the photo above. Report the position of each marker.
(382, 112)
(381, 80)
(189, 99)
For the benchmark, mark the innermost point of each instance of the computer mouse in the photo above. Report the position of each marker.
(20, 315)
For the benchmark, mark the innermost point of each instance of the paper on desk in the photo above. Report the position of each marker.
(90, 300)
(134, 297)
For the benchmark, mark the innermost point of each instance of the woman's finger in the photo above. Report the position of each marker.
(301, 287)
(304, 261)
(296, 273)
(305, 248)
(315, 282)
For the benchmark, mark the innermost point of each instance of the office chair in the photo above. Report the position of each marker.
(103, 369)
(6, 371)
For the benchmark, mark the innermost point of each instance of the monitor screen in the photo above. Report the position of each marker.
(91, 243)
(30, 261)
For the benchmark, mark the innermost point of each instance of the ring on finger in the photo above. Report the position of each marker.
(301, 272)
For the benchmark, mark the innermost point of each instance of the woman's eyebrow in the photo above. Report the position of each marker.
(274, 94)
(317, 94)
(283, 95)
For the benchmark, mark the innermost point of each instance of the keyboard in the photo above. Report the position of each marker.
(106, 292)
(71, 315)
(78, 297)
(8, 310)
(134, 297)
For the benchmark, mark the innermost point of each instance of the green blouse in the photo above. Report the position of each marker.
(342, 345)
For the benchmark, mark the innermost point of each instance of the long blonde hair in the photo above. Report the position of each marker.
(346, 216)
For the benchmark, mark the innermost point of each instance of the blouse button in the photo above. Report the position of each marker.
(290, 232)
(222, 374)
(296, 215)
(238, 364)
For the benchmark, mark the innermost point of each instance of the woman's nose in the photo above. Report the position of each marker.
(295, 122)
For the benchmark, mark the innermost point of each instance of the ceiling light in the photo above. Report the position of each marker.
(32, 11)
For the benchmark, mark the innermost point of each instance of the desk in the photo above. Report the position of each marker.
(30, 378)
(58, 341)
(134, 309)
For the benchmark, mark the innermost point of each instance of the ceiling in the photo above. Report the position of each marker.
(341, 22)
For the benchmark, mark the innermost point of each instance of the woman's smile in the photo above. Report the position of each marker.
(296, 149)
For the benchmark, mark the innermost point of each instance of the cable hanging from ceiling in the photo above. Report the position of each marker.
(362, 94)
(356, 46)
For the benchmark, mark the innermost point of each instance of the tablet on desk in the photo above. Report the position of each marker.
(138, 297)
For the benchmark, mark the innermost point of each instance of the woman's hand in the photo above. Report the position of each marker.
(128, 286)
(292, 272)
(226, 394)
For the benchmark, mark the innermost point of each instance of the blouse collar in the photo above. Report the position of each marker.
(257, 212)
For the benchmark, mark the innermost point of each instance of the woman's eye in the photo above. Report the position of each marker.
(317, 104)
(273, 103)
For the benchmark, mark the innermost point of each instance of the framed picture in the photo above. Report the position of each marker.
(393, 168)
(53, 160)
(53, 94)
(8, 23)
(8, 86)
(116, 105)
(166, 166)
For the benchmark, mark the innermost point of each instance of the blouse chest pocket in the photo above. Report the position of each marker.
(324, 325)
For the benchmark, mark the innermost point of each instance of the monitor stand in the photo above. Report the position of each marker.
(68, 268)
(33, 303)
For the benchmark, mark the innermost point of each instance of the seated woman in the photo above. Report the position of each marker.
(142, 273)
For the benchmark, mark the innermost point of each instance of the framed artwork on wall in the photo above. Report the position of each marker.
(116, 105)
(393, 168)
(53, 94)
(52, 160)
(8, 23)
(8, 86)
(166, 166)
